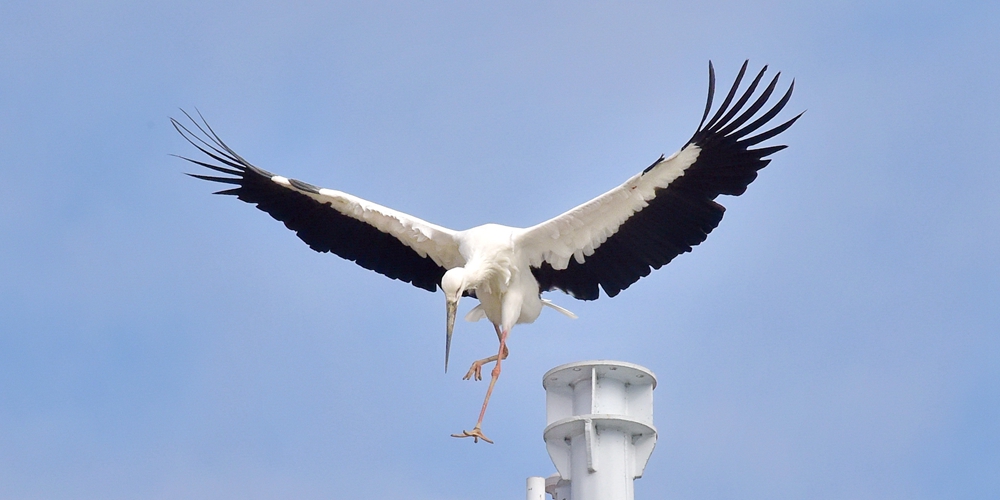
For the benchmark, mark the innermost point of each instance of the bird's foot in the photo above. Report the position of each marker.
(476, 434)
(476, 371)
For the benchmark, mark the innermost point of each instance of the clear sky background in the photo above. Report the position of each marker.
(835, 338)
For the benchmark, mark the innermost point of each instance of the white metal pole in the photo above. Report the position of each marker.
(536, 488)
(600, 430)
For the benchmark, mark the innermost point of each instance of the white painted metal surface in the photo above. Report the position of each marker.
(557, 487)
(535, 488)
(599, 430)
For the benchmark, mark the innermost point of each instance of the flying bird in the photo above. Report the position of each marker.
(606, 243)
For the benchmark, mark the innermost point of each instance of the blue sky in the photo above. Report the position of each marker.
(836, 337)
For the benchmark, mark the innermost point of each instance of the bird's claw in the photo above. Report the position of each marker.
(476, 434)
(476, 371)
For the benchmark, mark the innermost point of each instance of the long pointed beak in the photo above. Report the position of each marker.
(452, 306)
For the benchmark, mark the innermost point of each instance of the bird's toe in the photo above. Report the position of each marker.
(476, 434)
(475, 371)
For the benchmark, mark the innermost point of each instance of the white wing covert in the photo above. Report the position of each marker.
(576, 234)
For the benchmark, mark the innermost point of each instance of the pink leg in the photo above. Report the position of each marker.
(477, 366)
(477, 433)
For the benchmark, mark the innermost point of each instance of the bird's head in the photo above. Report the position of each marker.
(454, 283)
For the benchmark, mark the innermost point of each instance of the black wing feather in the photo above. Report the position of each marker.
(682, 214)
(320, 226)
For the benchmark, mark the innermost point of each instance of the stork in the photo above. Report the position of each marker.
(608, 242)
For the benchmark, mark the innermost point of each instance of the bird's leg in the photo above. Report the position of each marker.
(477, 366)
(477, 432)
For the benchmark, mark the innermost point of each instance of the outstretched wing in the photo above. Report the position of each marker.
(665, 210)
(383, 240)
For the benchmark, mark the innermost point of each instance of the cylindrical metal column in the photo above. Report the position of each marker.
(535, 488)
(600, 430)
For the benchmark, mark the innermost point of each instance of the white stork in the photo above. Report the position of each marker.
(608, 242)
